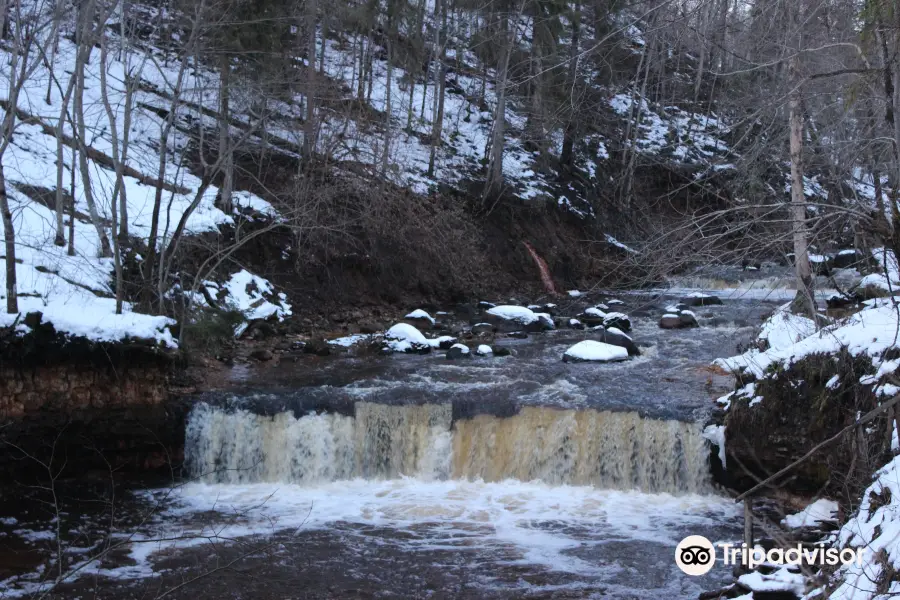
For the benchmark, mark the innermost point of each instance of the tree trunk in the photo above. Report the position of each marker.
(437, 112)
(495, 167)
(805, 301)
(60, 238)
(81, 59)
(225, 191)
(309, 127)
(571, 131)
(9, 239)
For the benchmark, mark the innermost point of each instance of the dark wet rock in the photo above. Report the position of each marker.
(263, 354)
(482, 329)
(501, 351)
(260, 330)
(688, 319)
(446, 342)
(701, 300)
(839, 301)
(681, 320)
(518, 335)
(529, 321)
(459, 351)
(549, 308)
(616, 337)
(846, 259)
(421, 320)
(319, 347)
(297, 345)
(618, 321)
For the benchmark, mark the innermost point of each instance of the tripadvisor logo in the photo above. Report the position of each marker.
(696, 555)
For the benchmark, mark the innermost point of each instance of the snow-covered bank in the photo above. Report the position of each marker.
(802, 386)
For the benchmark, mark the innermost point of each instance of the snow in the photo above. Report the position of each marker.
(350, 340)
(876, 526)
(619, 244)
(420, 314)
(784, 329)
(780, 580)
(484, 350)
(75, 292)
(462, 348)
(594, 312)
(403, 337)
(716, 435)
(590, 350)
(248, 293)
(518, 314)
(575, 293)
(618, 331)
(869, 331)
(816, 513)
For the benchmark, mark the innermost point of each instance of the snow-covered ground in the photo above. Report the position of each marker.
(75, 293)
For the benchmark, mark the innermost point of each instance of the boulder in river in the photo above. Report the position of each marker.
(617, 337)
(701, 299)
(617, 320)
(403, 337)
(484, 350)
(593, 351)
(420, 319)
(575, 324)
(680, 320)
(482, 329)
(519, 318)
(501, 351)
(459, 351)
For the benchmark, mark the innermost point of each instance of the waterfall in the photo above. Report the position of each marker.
(615, 450)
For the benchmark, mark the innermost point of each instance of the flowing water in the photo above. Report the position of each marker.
(410, 476)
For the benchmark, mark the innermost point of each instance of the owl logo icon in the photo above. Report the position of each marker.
(695, 555)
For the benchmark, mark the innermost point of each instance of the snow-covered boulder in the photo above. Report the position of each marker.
(701, 299)
(459, 351)
(444, 342)
(484, 350)
(820, 511)
(512, 318)
(591, 351)
(419, 318)
(616, 337)
(846, 259)
(617, 320)
(680, 320)
(403, 337)
(575, 324)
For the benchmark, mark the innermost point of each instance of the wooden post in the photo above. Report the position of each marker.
(748, 523)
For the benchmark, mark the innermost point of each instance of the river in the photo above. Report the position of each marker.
(418, 477)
